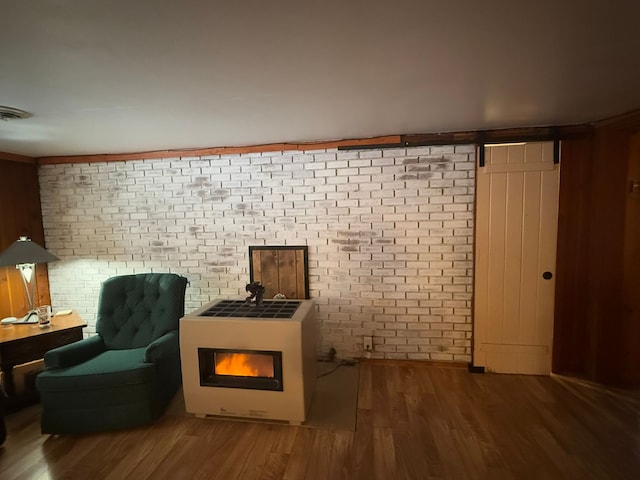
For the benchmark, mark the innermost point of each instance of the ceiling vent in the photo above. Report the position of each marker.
(9, 113)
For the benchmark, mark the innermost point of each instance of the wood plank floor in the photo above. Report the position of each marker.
(414, 422)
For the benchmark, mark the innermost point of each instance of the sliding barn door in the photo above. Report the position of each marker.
(515, 258)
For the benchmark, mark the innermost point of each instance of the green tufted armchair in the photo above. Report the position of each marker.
(125, 375)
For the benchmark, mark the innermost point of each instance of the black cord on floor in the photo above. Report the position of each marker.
(341, 363)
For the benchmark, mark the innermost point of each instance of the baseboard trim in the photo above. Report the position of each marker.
(413, 363)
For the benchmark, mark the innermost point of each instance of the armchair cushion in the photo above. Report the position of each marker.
(112, 368)
(74, 353)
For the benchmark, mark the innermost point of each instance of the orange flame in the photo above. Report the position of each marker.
(244, 364)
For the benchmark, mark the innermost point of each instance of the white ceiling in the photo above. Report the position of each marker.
(140, 75)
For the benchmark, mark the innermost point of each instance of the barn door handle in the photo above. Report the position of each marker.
(547, 275)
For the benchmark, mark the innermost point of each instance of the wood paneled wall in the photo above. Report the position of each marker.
(630, 345)
(572, 341)
(597, 325)
(20, 215)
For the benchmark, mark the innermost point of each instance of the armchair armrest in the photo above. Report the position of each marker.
(162, 347)
(74, 353)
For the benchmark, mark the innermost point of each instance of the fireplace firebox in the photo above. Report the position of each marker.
(232, 368)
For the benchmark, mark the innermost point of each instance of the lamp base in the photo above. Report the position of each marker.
(30, 318)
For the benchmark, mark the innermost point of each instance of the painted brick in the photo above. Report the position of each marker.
(387, 257)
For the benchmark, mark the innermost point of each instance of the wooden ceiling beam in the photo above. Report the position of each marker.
(272, 147)
(14, 157)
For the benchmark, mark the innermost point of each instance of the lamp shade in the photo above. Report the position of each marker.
(24, 250)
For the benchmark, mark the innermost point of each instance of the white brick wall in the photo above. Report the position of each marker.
(389, 235)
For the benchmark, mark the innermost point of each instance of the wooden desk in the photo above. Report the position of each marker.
(25, 343)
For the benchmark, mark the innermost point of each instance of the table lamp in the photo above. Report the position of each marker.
(24, 254)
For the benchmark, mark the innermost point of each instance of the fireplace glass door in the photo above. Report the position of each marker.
(252, 369)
